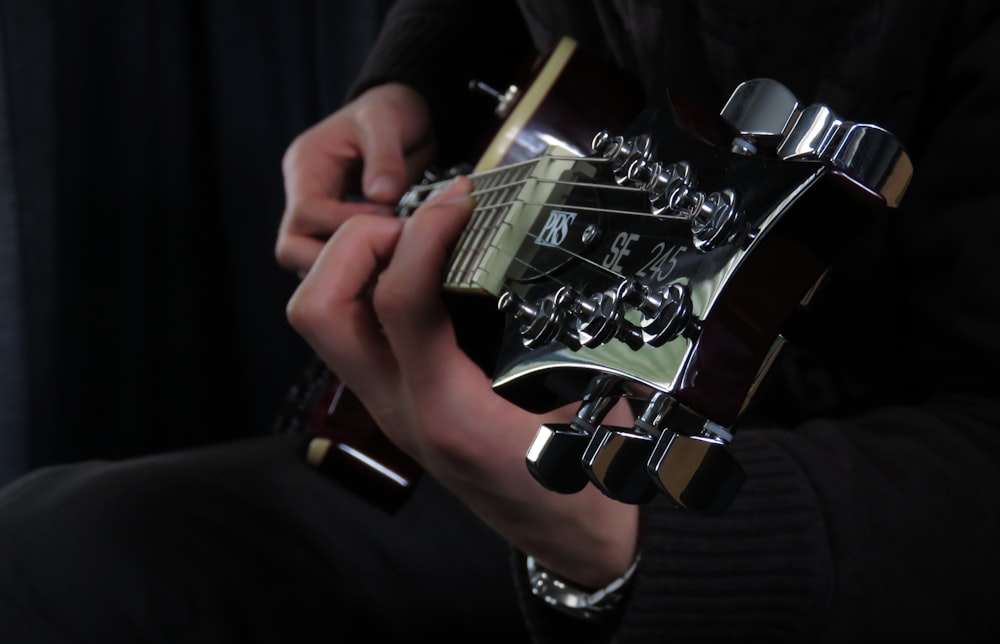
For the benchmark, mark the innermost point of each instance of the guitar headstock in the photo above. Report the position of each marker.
(663, 268)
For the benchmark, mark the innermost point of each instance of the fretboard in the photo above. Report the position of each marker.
(508, 203)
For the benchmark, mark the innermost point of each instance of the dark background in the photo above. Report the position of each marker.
(141, 308)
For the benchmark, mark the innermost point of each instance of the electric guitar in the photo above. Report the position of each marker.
(661, 263)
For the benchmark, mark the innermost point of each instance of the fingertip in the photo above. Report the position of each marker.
(384, 189)
(458, 191)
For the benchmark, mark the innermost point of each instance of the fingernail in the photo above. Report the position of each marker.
(384, 187)
(455, 191)
(457, 200)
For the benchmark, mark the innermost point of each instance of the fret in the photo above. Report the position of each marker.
(496, 191)
(509, 202)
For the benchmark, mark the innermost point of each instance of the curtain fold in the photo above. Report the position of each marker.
(146, 140)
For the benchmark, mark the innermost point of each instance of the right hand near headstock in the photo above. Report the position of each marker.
(385, 133)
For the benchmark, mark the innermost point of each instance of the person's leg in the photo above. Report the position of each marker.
(241, 543)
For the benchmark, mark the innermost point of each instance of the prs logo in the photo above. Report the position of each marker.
(556, 228)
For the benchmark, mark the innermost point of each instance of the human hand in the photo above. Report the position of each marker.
(371, 308)
(385, 133)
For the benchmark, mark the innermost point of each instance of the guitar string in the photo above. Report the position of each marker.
(529, 234)
(429, 188)
(511, 185)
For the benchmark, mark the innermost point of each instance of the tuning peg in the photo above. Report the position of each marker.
(667, 186)
(598, 318)
(716, 221)
(554, 457)
(615, 460)
(555, 454)
(761, 111)
(697, 472)
(665, 315)
(539, 324)
(622, 152)
(875, 160)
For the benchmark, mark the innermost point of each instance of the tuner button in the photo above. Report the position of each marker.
(875, 160)
(556, 452)
(871, 157)
(761, 109)
(814, 130)
(615, 461)
(698, 473)
(554, 456)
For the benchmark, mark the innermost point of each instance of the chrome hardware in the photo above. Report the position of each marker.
(875, 160)
(505, 101)
(590, 234)
(541, 323)
(697, 472)
(716, 220)
(811, 135)
(761, 111)
(653, 417)
(666, 185)
(665, 315)
(614, 461)
(556, 452)
(622, 152)
(598, 318)
(868, 155)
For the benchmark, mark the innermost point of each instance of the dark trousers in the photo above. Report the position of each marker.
(242, 542)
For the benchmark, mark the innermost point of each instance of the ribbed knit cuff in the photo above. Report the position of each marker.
(760, 571)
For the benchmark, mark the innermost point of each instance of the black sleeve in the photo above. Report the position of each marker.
(438, 47)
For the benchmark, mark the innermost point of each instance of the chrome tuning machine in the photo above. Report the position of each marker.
(715, 218)
(766, 116)
(622, 153)
(540, 323)
(555, 454)
(598, 318)
(690, 462)
(665, 315)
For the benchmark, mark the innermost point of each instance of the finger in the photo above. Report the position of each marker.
(297, 253)
(385, 176)
(332, 308)
(320, 217)
(408, 295)
(318, 161)
(302, 233)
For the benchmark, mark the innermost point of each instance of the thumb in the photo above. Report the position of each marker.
(384, 179)
(393, 125)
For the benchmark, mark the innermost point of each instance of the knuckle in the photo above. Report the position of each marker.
(289, 160)
(306, 313)
(391, 298)
(283, 254)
